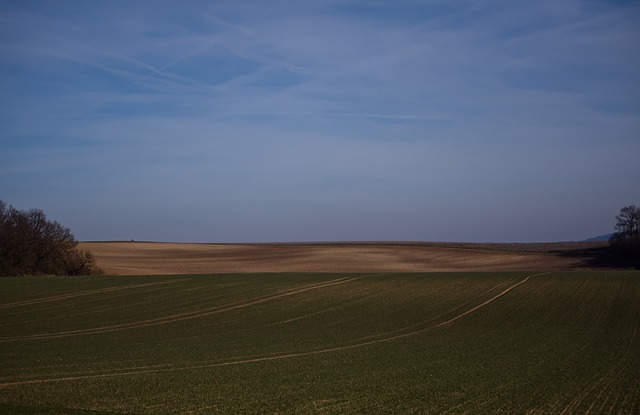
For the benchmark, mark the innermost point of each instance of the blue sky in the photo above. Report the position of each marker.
(219, 121)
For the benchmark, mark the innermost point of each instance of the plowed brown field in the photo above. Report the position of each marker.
(153, 258)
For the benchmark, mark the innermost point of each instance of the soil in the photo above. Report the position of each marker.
(159, 258)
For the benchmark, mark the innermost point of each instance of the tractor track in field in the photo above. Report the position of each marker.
(84, 293)
(178, 317)
(421, 325)
(130, 371)
(302, 317)
(96, 308)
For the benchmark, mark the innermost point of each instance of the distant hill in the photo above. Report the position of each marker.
(599, 238)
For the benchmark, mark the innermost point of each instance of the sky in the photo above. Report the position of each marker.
(323, 120)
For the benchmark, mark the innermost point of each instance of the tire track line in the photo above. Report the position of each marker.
(291, 320)
(177, 317)
(240, 361)
(94, 308)
(489, 301)
(460, 307)
(84, 293)
(457, 317)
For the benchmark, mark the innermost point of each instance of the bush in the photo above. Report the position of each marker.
(32, 245)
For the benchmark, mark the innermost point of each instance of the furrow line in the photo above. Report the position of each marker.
(84, 293)
(153, 369)
(457, 308)
(177, 317)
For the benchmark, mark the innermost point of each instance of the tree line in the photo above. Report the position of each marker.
(30, 244)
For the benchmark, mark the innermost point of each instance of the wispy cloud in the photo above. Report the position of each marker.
(398, 112)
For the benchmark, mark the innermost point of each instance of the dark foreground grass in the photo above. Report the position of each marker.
(322, 343)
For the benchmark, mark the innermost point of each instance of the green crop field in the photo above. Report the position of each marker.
(439, 343)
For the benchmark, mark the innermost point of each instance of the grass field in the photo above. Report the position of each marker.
(431, 343)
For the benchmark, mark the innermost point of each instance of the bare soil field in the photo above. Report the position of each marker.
(159, 258)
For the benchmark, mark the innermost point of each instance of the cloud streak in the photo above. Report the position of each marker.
(284, 120)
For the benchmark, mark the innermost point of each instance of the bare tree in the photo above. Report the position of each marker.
(79, 262)
(626, 240)
(628, 221)
(30, 245)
